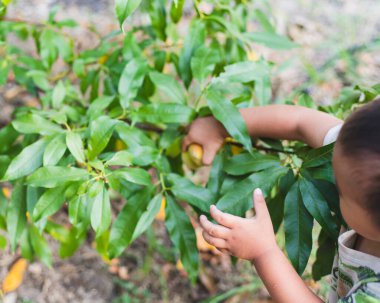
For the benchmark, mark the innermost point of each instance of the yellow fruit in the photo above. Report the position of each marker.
(103, 59)
(179, 266)
(236, 150)
(253, 56)
(196, 154)
(120, 145)
(187, 161)
(6, 192)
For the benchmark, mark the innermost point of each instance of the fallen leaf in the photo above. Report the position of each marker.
(15, 276)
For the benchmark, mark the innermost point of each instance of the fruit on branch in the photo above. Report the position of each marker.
(193, 156)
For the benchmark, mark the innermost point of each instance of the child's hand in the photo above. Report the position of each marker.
(209, 133)
(244, 238)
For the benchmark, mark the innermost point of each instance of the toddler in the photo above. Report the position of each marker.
(356, 164)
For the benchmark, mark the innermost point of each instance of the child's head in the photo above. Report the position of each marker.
(356, 163)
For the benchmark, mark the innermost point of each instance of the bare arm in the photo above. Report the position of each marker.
(281, 280)
(289, 122)
(271, 121)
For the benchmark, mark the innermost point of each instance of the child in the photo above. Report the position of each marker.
(356, 164)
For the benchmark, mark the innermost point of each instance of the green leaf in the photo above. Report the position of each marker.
(49, 203)
(184, 189)
(3, 242)
(53, 176)
(134, 175)
(247, 163)
(318, 207)
(217, 174)
(126, 222)
(54, 151)
(4, 163)
(224, 111)
(27, 161)
(325, 256)
(40, 79)
(264, 21)
(132, 136)
(244, 72)
(101, 209)
(8, 136)
(16, 214)
(131, 80)
(318, 156)
(271, 40)
(26, 246)
(125, 8)
(35, 124)
(75, 145)
(182, 235)
(122, 158)
(148, 216)
(98, 105)
(298, 225)
(157, 14)
(101, 132)
(171, 88)
(59, 93)
(176, 10)
(40, 246)
(324, 172)
(4, 68)
(203, 62)
(194, 39)
(47, 49)
(242, 190)
(32, 196)
(165, 113)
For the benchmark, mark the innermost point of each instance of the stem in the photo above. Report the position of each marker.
(162, 182)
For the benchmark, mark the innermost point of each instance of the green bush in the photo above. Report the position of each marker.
(110, 124)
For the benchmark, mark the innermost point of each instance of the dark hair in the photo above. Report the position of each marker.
(359, 138)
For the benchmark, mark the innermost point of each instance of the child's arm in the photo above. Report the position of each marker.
(272, 121)
(254, 239)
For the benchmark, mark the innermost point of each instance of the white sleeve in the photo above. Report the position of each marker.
(332, 134)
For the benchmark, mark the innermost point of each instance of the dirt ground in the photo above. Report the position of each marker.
(144, 273)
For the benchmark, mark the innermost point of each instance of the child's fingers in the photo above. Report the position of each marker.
(217, 242)
(209, 153)
(186, 142)
(222, 218)
(213, 229)
(259, 203)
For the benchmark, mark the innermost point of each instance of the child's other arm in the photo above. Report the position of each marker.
(273, 121)
(289, 122)
(254, 239)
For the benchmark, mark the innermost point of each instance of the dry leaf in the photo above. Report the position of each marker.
(161, 214)
(15, 276)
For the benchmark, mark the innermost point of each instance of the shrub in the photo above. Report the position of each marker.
(110, 121)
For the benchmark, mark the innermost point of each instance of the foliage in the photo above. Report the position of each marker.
(110, 122)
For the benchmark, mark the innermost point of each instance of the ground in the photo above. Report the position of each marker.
(145, 273)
